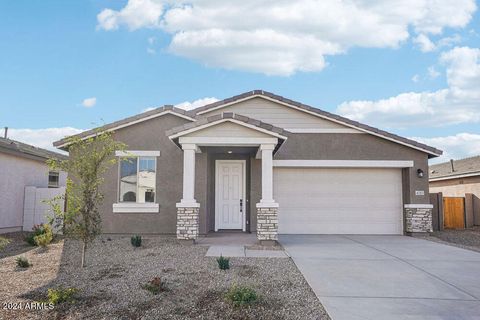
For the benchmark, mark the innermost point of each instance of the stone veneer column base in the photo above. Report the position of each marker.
(418, 218)
(267, 225)
(187, 223)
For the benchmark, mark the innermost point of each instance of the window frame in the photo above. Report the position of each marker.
(51, 173)
(130, 206)
(119, 199)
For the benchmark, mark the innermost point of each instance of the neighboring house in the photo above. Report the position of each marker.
(258, 162)
(455, 178)
(23, 167)
(459, 178)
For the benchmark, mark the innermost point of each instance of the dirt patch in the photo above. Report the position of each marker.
(111, 284)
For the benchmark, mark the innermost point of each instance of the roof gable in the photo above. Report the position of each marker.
(432, 152)
(219, 120)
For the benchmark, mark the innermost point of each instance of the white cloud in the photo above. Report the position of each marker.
(42, 138)
(458, 103)
(424, 42)
(135, 15)
(458, 146)
(416, 78)
(433, 73)
(281, 37)
(151, 51)
(89, 102)
(187, 105)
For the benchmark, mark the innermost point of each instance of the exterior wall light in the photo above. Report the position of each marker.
(420, 173)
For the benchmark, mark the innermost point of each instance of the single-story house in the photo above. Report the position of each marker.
(23, 168)
(459, 178)
(258, 162)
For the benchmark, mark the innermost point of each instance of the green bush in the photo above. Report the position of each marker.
(45, 238)
(39, 230)
(60, 295)
(22, 262)
(136, 240)
(240, 296)
(4, 242)
(223, 263)
(155, 285)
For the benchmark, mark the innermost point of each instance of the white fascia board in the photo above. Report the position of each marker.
(207, 125)
(323, 130)
(227, 141)
(136, 121)
(418, 206)
(123, 207)
(137, 153)
(466, 175)
(343, 163)
(323, 117)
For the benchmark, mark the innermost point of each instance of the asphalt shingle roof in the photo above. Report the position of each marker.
(118, 123)
(462, 166)
(22, 149)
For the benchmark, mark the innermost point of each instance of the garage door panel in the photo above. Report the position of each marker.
(338, 201)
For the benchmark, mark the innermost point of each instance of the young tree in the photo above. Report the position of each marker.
(88, 161)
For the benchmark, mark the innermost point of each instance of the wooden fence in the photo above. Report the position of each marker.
(454, 212)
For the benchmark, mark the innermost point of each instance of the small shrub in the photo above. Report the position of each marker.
(22, 262)
(223, 263)
(136, 240)
(46, 237)
(155, 285)
(240, 296)
(4, 242)
(39, 230)
(60, 295)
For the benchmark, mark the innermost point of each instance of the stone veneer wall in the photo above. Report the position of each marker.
(187, 223)
(267, 224)
(418, 219)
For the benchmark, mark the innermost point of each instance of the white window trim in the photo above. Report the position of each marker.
(344, 163)
(58, 181)
(129, 207)
(137, 153)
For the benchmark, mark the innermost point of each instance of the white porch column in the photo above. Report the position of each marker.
(188, 209)
(267, 173)
(188, 174)
(267, 208)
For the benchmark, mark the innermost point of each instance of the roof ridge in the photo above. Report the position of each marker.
(319, 111)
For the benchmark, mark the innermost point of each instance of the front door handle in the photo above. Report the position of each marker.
(241, 205)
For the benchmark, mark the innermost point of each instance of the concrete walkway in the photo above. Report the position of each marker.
(236, 244)
(388, 277)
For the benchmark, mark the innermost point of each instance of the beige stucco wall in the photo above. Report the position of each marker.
(457, 187)
(16, 173)
(149, 135)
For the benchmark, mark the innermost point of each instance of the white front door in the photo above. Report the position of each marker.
(230, 194)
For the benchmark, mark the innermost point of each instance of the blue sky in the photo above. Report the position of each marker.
(416, 76)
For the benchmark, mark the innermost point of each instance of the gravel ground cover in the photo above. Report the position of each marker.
(110, 286)
(466, 239)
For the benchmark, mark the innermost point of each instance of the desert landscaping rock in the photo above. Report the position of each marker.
(466, 239)
(110, 285)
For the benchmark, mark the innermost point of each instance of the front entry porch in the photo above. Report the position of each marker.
(231, 142)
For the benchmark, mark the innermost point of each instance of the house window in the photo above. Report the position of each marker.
(53, 179)
(137, 179)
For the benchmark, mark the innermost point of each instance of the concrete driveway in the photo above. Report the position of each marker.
(388, 277)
